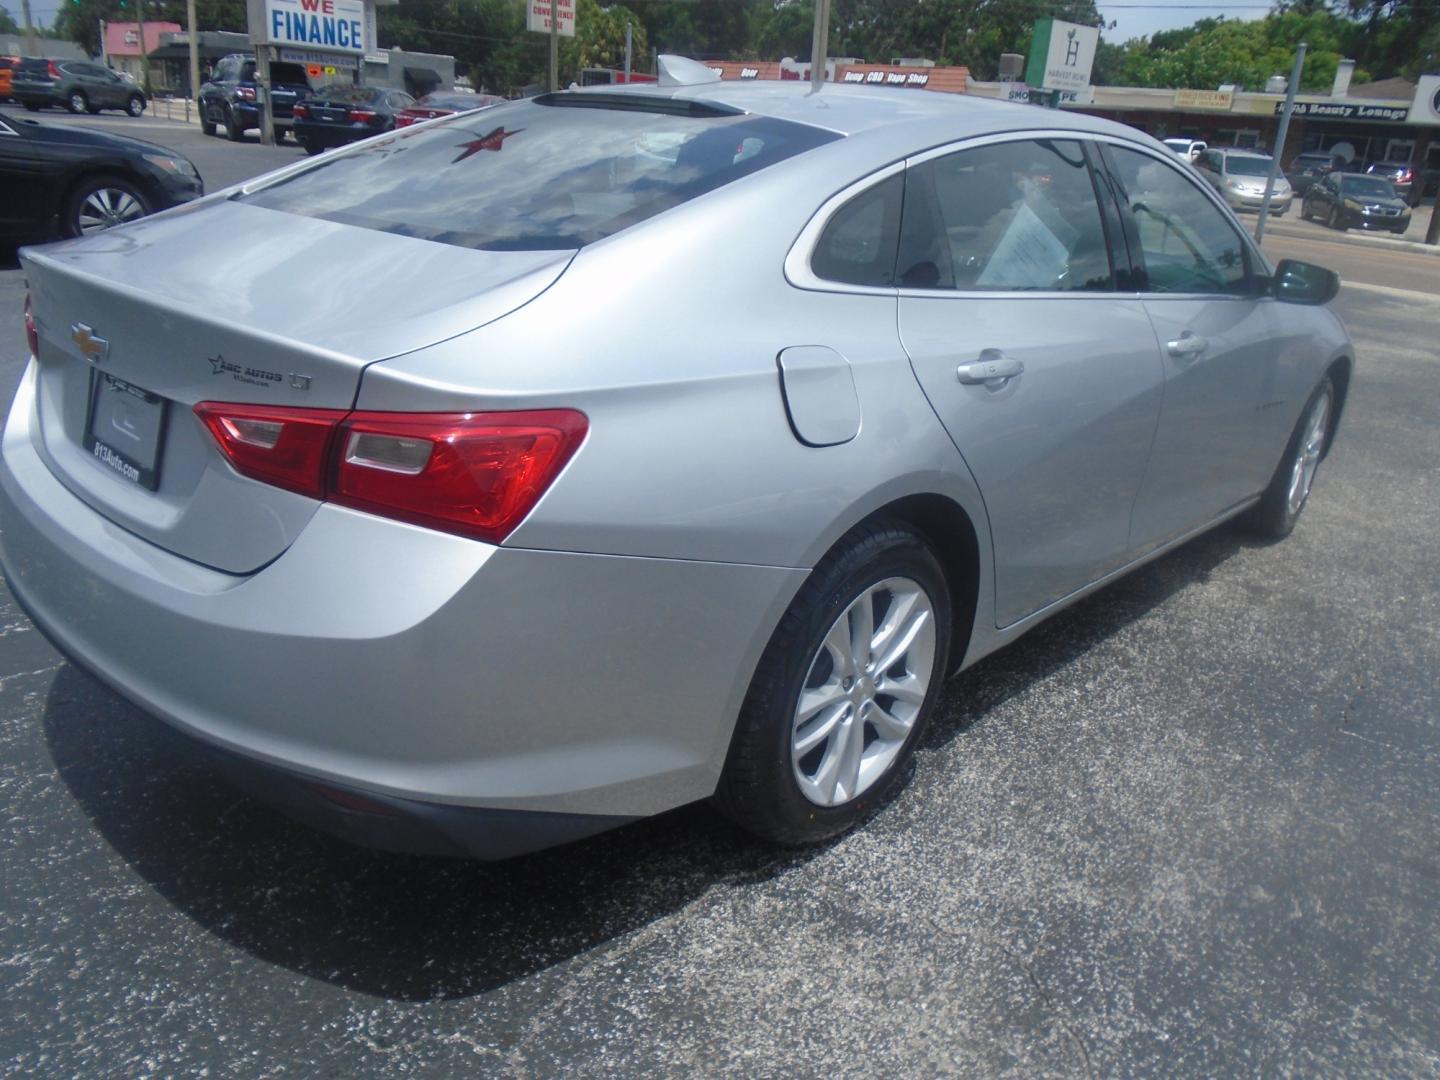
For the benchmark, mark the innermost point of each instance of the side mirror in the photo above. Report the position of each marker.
(1297, 282)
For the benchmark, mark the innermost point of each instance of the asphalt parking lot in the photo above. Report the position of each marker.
(1189, 827)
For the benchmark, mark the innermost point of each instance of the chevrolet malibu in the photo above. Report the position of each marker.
(531, 471)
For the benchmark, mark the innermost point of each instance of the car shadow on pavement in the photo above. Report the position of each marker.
(978, 691)
(412, 928)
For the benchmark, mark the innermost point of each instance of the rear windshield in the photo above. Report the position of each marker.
(1248, 166)
(555, 172)
(33, 65)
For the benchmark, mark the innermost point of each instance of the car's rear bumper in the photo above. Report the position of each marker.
(32, 95)
(424, 671)
(327, 135)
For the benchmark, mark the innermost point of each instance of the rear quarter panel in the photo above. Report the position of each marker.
(667, 336)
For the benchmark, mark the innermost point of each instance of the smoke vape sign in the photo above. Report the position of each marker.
(1061, 55)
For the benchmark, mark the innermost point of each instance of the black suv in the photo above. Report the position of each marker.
(230, 99)
(77, 85)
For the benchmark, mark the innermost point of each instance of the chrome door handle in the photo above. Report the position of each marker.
(1187, 344)
(993, 366)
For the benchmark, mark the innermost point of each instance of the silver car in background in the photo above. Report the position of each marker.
(523, 473)
(1240, 175)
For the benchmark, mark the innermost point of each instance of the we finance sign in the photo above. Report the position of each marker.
(327, 25)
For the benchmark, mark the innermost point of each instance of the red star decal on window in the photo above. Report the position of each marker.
(491, 141)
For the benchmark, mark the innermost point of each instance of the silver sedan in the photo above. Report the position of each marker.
(497, 481)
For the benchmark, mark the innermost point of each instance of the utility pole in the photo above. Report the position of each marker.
(194, 49)
(628, 46)
(144, 56)
(29, 27)
(554, 44)
(1280, 139)
(819, 45)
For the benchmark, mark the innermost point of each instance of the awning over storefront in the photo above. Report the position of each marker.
(420, 81)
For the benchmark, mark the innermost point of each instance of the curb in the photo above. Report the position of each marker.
(1334, 236)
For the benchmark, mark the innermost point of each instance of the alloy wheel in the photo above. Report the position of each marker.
(863, 691)
(1307, 454)
(106, 207)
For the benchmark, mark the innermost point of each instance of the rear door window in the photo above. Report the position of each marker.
(555, 172)
(1009, 216)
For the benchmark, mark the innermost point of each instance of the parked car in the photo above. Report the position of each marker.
(1187, 149)
(340, 113)
(1400, 176)
(78, 85)
(443, 103)
(7, 66)
(1240, 175)
(1350, 200)
(62, 180)
(677, 479)
(1307, 169)
(229, 98)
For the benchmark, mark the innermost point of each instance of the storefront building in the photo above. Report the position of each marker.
(1393, 120)
(123, 50)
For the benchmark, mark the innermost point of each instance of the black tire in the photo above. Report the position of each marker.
(311, 148)
(233, 131)
(758, 788)
(75, 201)
(207, 126)
(30, 107)
(77, 102)
(1274, 517)
(135, 105)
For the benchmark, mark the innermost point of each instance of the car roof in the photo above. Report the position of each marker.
(883, 114)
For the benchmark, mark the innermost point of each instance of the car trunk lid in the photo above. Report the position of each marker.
(138, 325)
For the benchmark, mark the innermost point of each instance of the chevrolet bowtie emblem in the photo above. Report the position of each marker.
(94, 349)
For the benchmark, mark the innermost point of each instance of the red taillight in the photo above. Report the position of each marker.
(53, 71)
(245, 93)
(284, 447)
(401, 120)
(301, 112)
(32, 332)
(361, 115)
(1405, 177)
(476, 474)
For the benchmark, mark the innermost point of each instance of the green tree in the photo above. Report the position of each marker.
(7, 23)
(704, 28)
(599, 39)
(1216, 52)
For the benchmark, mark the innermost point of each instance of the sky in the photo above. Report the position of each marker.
(1141, 18)
(1133, 18)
